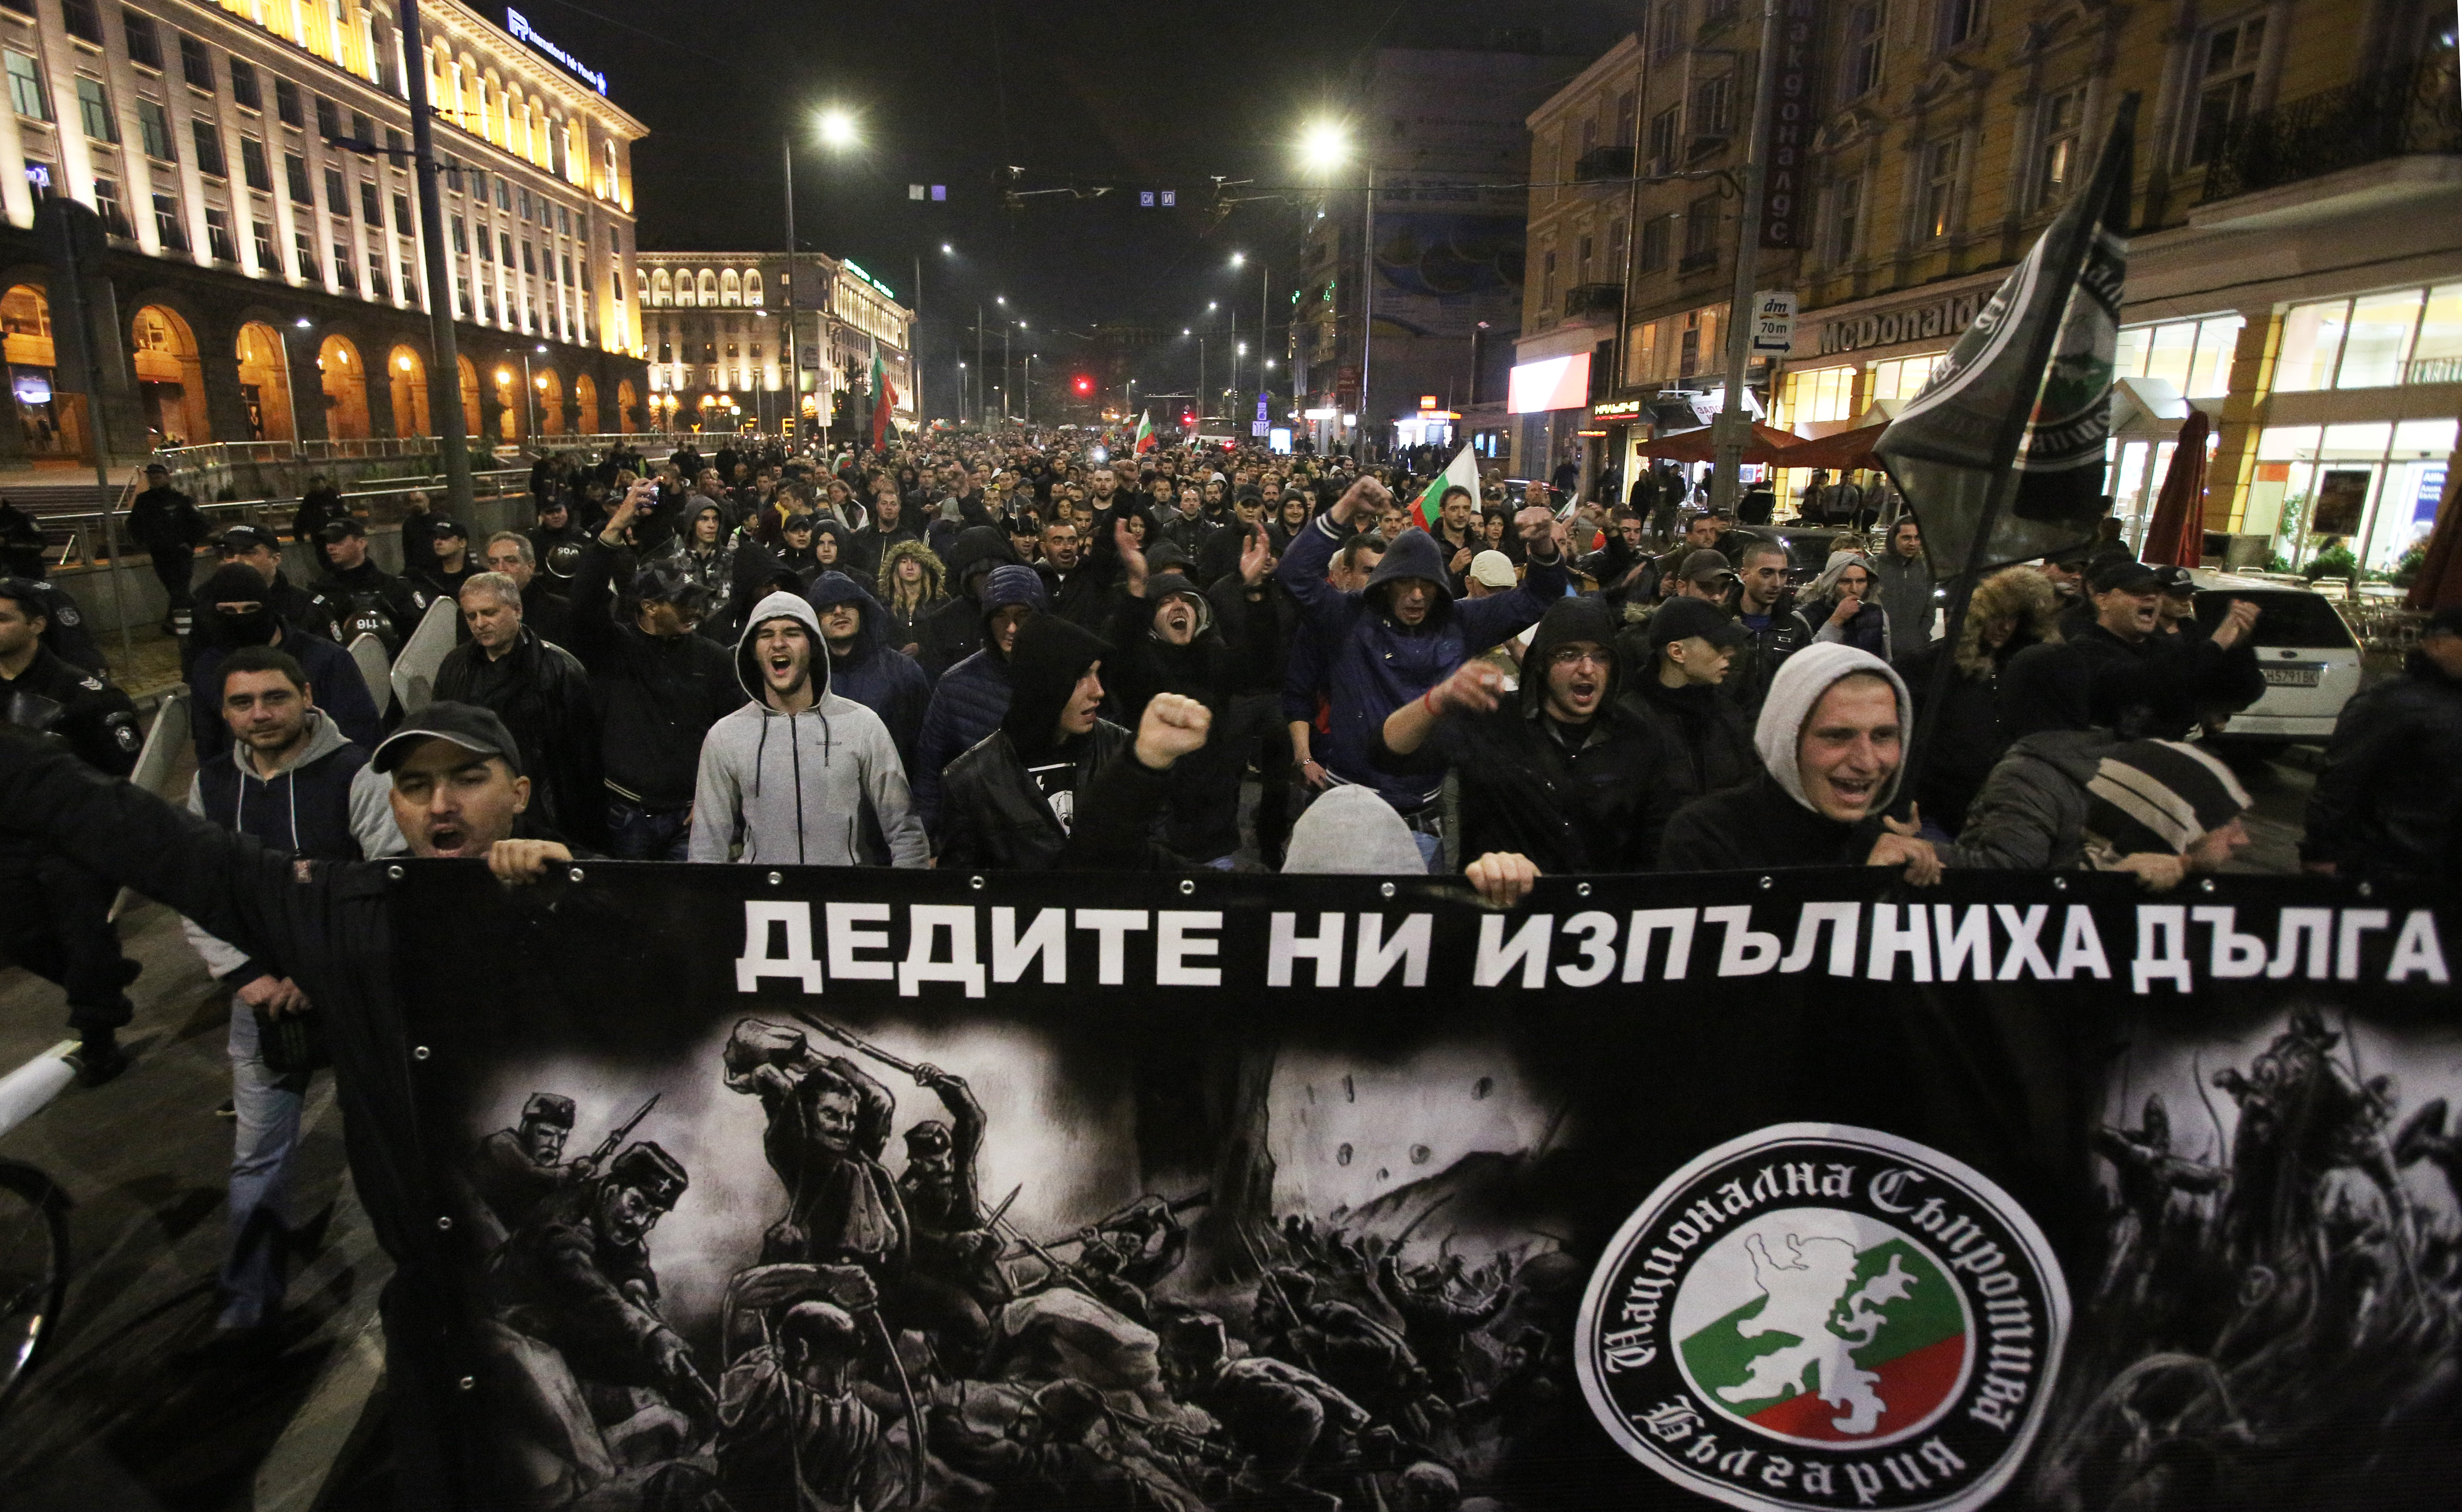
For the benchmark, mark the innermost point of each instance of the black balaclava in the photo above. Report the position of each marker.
(236, 583)
(1050, 654)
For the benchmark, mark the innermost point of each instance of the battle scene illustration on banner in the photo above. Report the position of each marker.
(1355, 1196)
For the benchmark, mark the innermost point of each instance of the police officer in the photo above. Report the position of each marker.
(258, 546)
(358, 597)
(557, 539)
(54, 915)
(168, 523)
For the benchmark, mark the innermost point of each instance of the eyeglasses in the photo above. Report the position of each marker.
(1576, 655)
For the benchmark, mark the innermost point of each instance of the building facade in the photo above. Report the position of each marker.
(2295, 247)
(249, 165)
(1438, 149)
(715, 330)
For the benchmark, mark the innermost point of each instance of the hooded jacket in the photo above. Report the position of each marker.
(1570, 800)
(871, 672)
(905, 626)
(954, 631)
(328, 804)
(2386, 804)
(1971, 728)
(2030, 815)
(968, 701)
(1702, 746)
(1204, 786)
(340, 687)
(993, 815)
(1352, 832)
(820, 788)
(655, 697)
(1770, 823)
(1374, 663)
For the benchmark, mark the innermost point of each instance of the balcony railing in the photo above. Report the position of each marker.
(1593, 300)
(2387, 115)
(1610, 162)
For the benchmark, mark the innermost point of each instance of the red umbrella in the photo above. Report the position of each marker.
(1768, 445)
(1844, 451)
(2176, 535)
(2439, 583)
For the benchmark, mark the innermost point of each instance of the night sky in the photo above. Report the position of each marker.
(954, 91)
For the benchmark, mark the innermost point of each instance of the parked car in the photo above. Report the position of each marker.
(2310, 659)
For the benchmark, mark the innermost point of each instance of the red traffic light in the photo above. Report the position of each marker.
(1188, 417)
(1083, 384)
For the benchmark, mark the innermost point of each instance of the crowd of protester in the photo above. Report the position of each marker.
(1018, 651)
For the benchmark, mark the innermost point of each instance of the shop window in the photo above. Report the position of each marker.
(2437, 358)
(1902, 378)
(1815, 396)
(2376, 346)
(2227, 63)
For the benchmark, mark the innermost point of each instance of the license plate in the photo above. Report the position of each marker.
(2293, 677)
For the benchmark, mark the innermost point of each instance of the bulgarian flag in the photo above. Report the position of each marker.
(1145, 433)
(884, 397)
(1461, 472)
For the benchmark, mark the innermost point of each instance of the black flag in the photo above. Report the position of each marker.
(2002, 456)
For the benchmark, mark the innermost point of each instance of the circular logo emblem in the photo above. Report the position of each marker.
(1815, 1315)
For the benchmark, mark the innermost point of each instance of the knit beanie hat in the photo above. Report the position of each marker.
(2161, 796)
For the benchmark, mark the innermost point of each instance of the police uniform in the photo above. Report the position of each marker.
(365, 599)
(55, 914)
(66, 632)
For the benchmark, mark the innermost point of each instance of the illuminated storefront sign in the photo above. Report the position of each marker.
(519, 24)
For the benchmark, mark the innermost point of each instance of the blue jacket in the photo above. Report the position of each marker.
(1374, 663)
(970, 698)
(873, 675)
(334, 680)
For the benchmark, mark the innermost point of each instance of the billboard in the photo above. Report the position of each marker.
(1554, 384)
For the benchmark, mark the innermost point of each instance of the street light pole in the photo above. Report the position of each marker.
(1368, 308)
(915, 348)
(444, 359)
(1005, 327)
(1734, 425)
(794, 357)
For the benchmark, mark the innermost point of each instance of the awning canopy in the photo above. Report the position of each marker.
(1766, 449)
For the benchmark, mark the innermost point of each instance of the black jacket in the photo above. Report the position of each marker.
(542, 694)
(1571, 801)
(1204, 811)
(1759, 828)
(992, 816)
(2389, 803)
(1964, 735)
(329, 926)
(655, 698)
(546, 613)
(1762, 653)
(2155, 688)
(166, 522)
(1701, 745)
(366, 599)
(81, 711)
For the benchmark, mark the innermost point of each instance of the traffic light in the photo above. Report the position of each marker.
(1083, 384)
(1188, 417)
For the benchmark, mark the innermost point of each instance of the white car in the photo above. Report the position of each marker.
(2310, 659)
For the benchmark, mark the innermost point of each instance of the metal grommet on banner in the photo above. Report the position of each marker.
(468, 1383)
(392, 874)
(776, 877)
(2206, 885)
(418, 1052)
(2060, 884)
(574, 876)
(1187, 887)
(1765, 884)
(1582, 891)
(443, 1223)
(1387, 890)
(2367, 890)
(975, 882)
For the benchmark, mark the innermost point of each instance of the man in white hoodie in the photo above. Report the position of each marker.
(800, 775)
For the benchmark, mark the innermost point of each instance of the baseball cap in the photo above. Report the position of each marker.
(2130, 576)
(1492, 568)
(339, 528)
(475, 729)
(1683, 618)
(441, 527)
(241, 538)
(797, 522)
(1705, 564)
(2175, 580)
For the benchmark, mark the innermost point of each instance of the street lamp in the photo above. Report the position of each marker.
(838, 127)
(837, 132)
(1324, 146)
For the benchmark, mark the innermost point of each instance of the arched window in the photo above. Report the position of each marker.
(708, 288)
(661, 291)
(752, 287)
(730, 289)
(609, 188)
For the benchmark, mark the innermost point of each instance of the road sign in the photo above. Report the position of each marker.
(1774, 321)
(1145, 199)
(1170, 198)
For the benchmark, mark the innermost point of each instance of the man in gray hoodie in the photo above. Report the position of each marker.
(800, 774)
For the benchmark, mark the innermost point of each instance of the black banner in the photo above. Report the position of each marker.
(834, 1189)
